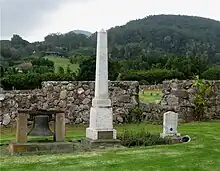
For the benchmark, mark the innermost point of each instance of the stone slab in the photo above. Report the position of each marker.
(40, 147)
(96, 134)
(101, 120)
(170, 123)
(100, 143)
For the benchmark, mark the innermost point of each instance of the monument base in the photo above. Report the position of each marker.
(95, 134)
(164, 135)
(40, 147)
(101, 143)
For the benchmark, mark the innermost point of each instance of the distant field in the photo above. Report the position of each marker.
(62, 62)
(150, 96)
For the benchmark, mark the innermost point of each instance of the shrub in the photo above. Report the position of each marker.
(32, 80)
(152, 76)
(203, 90)
(211, 74)
(140, 138)
(134, 115)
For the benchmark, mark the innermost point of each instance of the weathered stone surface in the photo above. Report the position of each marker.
(74, 97)
(6, 119)
(63, 94)
(179, 96)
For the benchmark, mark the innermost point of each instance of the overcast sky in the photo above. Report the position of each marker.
(34, 19)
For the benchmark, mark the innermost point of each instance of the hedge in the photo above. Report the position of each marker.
(151, 76)
(32, 80)
(211, 74)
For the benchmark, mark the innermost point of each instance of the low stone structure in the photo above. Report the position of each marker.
(74, 98)
(178, 96)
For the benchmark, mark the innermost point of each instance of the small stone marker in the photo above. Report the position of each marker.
(170, 123)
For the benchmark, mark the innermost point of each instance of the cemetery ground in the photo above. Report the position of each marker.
(62, 62)
(150, 96)
(201, 154)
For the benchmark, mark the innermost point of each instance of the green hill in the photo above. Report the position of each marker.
(165, 34)
(62, 62)
(157, 35)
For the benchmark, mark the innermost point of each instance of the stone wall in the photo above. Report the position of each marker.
(74, 98)
(178, 96)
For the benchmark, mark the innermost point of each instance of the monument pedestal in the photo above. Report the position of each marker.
(100, 132)
(101, 126)
(164, 135)
(101, 143)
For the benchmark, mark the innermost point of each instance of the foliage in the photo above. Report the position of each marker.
(61, 70)
(42, 62)
(152, 76)
(165, 34)
(156, 47)
(211, 74)
(32, 80)
(133, 115)
(188, 65)
(88, 68)
(203, 90)
(78, 59)
(140, 138)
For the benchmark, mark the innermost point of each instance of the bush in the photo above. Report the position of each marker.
(211, 74)
(32, 80)
(152, 76)
(203, 91)
(134, 115)
(140, 138)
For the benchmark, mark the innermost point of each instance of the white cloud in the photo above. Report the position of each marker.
(93, 15)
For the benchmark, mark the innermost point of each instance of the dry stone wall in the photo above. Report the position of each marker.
(178, 96)
(75, 98)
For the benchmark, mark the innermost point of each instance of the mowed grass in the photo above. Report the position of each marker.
(201, 154)
(150, 96)
(62, 62)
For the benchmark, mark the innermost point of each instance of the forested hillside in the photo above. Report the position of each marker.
(166, 34)
(150, 49)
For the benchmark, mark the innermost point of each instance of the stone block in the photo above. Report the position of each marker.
(89, 143)
(40, 147)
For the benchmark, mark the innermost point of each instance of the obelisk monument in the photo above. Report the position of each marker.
(101, 118)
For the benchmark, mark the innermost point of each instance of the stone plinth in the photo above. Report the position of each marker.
(40, 147)
(101, 126)
(100, 143)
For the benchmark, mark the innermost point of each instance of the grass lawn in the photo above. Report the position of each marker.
(62, 62)
(150, 96)
(201, 154)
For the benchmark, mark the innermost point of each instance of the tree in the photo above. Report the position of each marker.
(61, 70)
(68, 70)
(88, 67)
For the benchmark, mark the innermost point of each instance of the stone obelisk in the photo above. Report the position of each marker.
(101, 118)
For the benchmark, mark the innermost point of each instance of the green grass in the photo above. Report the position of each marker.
(62, 62)
(150, 96)
(201, 154)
